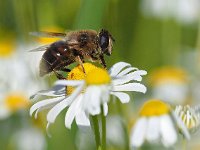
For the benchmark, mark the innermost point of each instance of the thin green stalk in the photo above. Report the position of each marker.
(96, 131)
(184, 144)
(198, 47)
(103, 121)
(126, 134)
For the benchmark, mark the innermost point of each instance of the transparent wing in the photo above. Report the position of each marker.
(48, 34)
(41, 48)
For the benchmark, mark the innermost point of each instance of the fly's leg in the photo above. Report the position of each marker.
(59, 76)
(102, 61)
(79, 60)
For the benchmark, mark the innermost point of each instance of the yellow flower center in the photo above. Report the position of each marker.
(154, 108)
(98, 76)
(6, 48)
(168, 74)
(16, 101)
(78, 74)
(93, 75)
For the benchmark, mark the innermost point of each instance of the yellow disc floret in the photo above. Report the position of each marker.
(154, 108)
(77, 73)
(93, 75)
(98, 76)
(168, 74)
(16, 101)
(6, 48)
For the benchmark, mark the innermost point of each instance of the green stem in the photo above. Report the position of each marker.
(198, 47)
(184, 144)
(103, 121)
(126, 134)
(96, 131)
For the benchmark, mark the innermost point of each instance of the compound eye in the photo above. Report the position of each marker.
(104, 41)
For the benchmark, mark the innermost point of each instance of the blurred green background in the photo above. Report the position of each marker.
(144, 41)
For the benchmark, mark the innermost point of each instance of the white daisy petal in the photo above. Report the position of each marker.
(123, 97)
(130, 87)
(43, 108)
(105, 109)
(181, 126)
(72, 112)
(4, 111)
(53, 113)
(45, 103)
(139, 72)
(56, 91)
(123, 80)
(116, 68)
(126, 71)
(69, 82)
(47, 130)
(93, 104)
(153, 129)
(82, 119)
(168, 131)
(138, 132)
(136, 75)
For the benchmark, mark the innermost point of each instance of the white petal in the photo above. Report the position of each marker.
(127, 70)
(136, 75)
(82, 119)
(53, 113)
(47, 130)
(69, 82)
(45, 103)
(124, 80)
(4, 111)
(168, 131)
(105, 109)
(130, 87)
(55, 92)
(181, 125)
(72, 112)
(138, 132)
(123, 97)
(116, 68)
(43, 108)
(92, 100)
(153, 129)
(140, 72)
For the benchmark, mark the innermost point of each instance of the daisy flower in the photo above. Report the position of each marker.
(157, 123)
(170, 84)
(85, 93)
(190, 117)
(17, 82)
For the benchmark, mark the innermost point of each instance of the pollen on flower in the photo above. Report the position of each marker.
(98, 76)
(16, 101)
(78, 74)
(154, 108)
